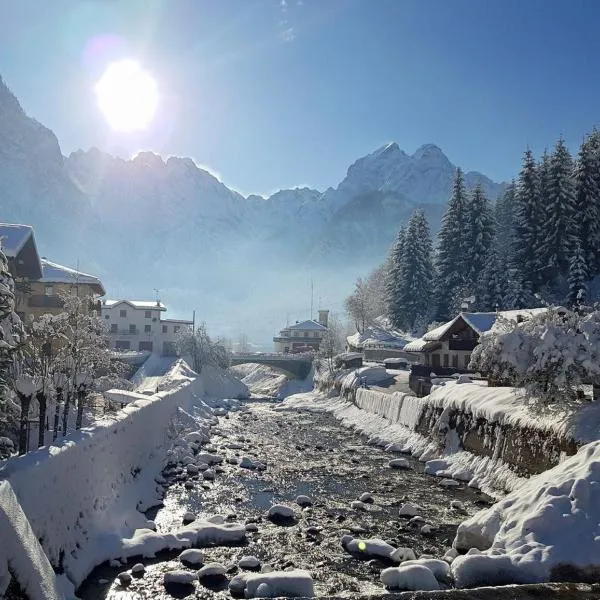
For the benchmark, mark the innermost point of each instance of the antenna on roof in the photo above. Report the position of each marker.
(156, 292)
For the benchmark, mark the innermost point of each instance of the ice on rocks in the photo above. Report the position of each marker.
(179, 577)
(412, 577)
(372, 547)
(410, 510)
(426, 529)
(395, 448)
(212, 571)
(281, 511)
(192, 557)
(209, 459)
(449, 483)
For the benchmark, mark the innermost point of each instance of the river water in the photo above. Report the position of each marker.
(310, 454)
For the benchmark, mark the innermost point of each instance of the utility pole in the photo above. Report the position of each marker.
(193, 321)
(311, 297)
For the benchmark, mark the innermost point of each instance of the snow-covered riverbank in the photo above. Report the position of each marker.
(83, 497)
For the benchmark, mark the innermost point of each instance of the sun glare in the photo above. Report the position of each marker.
(127, 95)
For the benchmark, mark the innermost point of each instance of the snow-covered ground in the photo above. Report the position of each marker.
(263, 380)
(84, 498)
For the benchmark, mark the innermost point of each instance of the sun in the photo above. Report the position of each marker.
(127, 95)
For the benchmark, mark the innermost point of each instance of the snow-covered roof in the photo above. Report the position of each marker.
(480, 322)
(308, 325)
(13, 237)
(55, 273)
(421, 345)
(377, 335)
(140, 304)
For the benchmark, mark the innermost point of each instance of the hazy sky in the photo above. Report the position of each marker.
(278, 93)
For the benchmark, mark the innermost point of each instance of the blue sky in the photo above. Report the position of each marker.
(273, 93)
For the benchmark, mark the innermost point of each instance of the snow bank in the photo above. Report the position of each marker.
(551, 524)
(82, 497)
(261, 379)
(276, 584)
(21, 552)
(220, 384)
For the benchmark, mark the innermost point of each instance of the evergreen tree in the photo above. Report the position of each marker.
(504, 215)
(527, 220)
(518, 293)
(417, 277)
(578, 276)
(394, 304)
(451, 249)
(480, 233)
(560, 234)
(492, 285)
(587, 201)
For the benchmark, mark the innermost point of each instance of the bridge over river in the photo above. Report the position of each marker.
(297, 364)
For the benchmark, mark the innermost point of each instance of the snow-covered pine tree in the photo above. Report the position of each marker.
(518, 293)
(560, 227)
(451, 272)
(417, 277)
(394, 306)
(492, 284)
(480, 234)
(578, 278)
(527, 220)
(504, 216)
(587, 201)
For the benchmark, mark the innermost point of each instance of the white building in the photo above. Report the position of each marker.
(302, 337)
(137, 325)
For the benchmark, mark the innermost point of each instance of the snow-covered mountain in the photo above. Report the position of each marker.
(152, 223)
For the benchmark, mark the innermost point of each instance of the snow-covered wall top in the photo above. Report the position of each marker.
(81, 494)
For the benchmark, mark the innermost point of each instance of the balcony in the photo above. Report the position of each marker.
(466, 345)
(42, 301)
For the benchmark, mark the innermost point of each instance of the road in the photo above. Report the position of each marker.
(308, 454)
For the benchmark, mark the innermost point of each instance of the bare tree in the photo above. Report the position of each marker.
(332, 342)
(201, 349)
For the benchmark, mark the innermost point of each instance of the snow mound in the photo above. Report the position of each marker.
(288, 584)
(400, 555)
(550, 523)
(448, 483)
(412, 577)
(439, 568)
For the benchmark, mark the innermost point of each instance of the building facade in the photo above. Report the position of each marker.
(138, 325)
(305, 336)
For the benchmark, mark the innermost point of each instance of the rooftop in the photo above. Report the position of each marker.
(55, 273)
(139, 304)
(308, 325)
(13, 237)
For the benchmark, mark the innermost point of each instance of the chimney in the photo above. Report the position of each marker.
(323, 317)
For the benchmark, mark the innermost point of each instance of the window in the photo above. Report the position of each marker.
(148, 314)
(49, 290)
(295, 334)
(306, 334)
(316, 334)
(445, 360)
(132, 329)
(107, 317)
(147, 328)
(455, 360)
(113, 328)
(165, 329)
(145, 346)
(122, 345)
(122, 313)
(176, 328)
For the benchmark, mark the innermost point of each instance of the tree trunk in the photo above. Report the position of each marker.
(81, 393)
(65, 419)
(57, 413)
(42, 401)
(25, 402)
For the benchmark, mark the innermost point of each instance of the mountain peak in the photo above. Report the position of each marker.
(429, 151)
